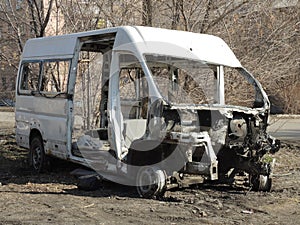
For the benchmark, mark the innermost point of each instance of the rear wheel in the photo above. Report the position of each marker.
(37, 158)
(151, 182)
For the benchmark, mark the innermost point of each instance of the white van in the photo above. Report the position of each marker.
(143, 106)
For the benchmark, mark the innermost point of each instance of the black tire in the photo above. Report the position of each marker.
(151, 182)
(39, 162)
(261, 183)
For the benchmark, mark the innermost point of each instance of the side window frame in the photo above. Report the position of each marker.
(41, 63)
(138, 100)
(22, 91)
(42, 73)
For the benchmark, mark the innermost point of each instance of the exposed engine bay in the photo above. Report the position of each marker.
(217, 143)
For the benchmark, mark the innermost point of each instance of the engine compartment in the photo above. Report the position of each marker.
(238, 139)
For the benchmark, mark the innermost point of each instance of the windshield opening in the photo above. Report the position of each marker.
(185, 81)
(239, 91)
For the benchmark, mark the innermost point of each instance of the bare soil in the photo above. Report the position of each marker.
(53, 198)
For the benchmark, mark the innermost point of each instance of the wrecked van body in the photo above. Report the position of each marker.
(144, 106)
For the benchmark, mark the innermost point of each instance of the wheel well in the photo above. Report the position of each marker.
(34, 133)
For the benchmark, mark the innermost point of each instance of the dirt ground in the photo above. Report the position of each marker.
(53, 198)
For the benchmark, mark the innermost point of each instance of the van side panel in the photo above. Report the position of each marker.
(48, 116)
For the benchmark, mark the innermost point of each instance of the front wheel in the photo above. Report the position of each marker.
(261, 182)
(37, 158)
(151, 182)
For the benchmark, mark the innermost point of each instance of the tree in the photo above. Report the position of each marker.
(19, 20)
(40, 15)
(264, 34)
(147, 13)
(265, 39)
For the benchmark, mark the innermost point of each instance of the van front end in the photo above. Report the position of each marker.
(214, 144)
(207, 118)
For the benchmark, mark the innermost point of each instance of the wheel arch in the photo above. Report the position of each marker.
(35, 133)
(38, 159)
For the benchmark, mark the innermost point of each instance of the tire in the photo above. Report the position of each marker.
(39, 162)
(261, 183)
(89, 183)
(151, 182)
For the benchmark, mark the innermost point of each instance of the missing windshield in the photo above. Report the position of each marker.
(185, 81)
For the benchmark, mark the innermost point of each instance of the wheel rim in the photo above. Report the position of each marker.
(150, 182)
(147, 181)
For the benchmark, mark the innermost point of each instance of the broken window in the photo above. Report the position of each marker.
(238, 90)
(133, 93)
(55, 76)
(183, 81)
(30, 76)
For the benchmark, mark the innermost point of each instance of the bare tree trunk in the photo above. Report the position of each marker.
(37, 12)
(147, 13)
(206, 16)
(176, 14)
(184, 16)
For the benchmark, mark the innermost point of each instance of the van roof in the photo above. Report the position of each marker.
(60, 46)
(140, 40)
